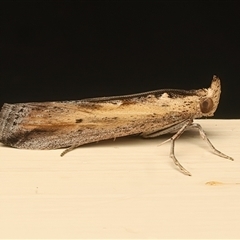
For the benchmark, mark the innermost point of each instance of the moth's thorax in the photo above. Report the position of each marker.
(194, 103)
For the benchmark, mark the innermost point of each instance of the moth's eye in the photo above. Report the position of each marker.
(206, 105)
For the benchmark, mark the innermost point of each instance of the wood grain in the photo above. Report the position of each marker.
(128, 188)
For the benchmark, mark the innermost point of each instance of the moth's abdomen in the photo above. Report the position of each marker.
(30, 126)
(19, 129)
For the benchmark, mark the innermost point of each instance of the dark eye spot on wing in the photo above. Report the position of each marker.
(79, 120)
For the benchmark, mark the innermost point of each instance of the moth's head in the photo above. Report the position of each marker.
(210, 97)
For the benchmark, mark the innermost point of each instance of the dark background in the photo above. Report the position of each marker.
(66, 50)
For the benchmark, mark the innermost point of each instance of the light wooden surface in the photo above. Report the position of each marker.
(129, 188)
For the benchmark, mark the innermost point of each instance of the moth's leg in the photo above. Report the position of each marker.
(179, 128)
(69, 150)
(204, 137)
(173, 139)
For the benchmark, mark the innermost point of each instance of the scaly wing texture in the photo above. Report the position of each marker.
(51, 125)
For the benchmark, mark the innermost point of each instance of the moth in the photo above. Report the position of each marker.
(70, 124)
